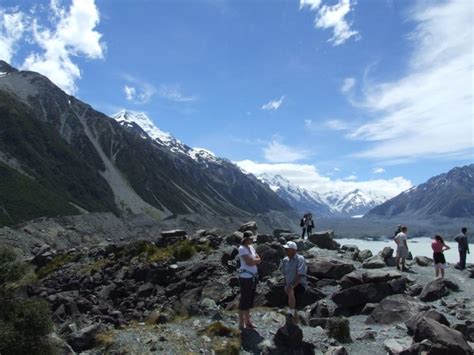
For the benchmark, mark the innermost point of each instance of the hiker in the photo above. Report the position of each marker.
(293, 268)
(463, 248)
(439, 261)
(402, 248)
(308, 224)
(248, 275)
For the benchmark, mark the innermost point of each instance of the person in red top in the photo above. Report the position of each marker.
(439, 261)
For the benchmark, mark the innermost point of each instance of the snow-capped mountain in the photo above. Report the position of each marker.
(353, 203)
(300, 199)
(335, 203)
(129, 118)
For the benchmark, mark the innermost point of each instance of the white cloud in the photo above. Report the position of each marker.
(350, 178)
(337, 125)
(308, 177)
(173, 93)
(73, 34)
(378, 170)
(139, 91)
(427, 112)
(347, 85)
(273, 105)
(333, 17)
(278, 152)
(130, 92)
(12, 27)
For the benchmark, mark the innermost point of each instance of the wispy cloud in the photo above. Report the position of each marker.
(279, 152)
(12, 27)
(333, 17)
(71, 33)
(137, 90)
(347, 85)
(173, 93)
(308, 177)
(273, 105)
(351, 177)
(428, 111)
(378, 170)
(337, 125)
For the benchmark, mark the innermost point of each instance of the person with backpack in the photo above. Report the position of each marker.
(307, 224)
(439, 260)
(248, 275)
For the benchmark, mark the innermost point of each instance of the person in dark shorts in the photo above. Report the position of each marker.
(293, 268)
(439, 261)
(248, 275)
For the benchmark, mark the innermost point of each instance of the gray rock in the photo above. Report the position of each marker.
(336, 350)
(271, 255)
(411, 323)
(395, 309)
(423, 261)
(364, 254)
(375, 262)
(396, 346)
(265, 238)
(173, 233)
(350, 247)
(338, 328)
(249, 226)
(386, 253)
(361, 294)
(437, 289)
(451, 340)
(324, 240)
(84, 338)
(329, 269)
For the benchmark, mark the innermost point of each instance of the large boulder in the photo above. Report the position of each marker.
(423, 261)
(277, 232)
(397, 346)
(289, 338)
(375, 262)
(276, 297)
(360, 277)
(339, 329)
(361, 294)
(437, 289)
(364, 255)
(395, 309)
(84, 338)
(386, 253)
(329, 269)
(271, 255)
(324, 240)
(411, 323)
(450, 340)
(235, 238)
(265, 238)
(249, 226)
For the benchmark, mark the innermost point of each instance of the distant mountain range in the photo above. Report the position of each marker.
(59, 156)
(446, 195)
(329, 204)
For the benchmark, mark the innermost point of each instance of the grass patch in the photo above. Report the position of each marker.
(93, 267)
(218, 329)
(55, 264)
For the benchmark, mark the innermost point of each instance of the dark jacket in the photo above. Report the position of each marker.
(461, 238)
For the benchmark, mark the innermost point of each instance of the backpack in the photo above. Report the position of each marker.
(302, 222)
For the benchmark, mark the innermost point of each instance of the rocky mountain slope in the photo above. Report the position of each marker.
(178, 292)
(447, 195)
(86, 161)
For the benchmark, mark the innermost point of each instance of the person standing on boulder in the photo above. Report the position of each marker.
(308, 224)
(463, 247)
(248, 275)
(293, 268)
(402, 248)
(439, 261)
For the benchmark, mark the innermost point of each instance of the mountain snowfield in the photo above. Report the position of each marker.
(352, 203)
(126, 117)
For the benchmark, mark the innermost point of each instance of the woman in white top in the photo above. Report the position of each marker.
(248, 272)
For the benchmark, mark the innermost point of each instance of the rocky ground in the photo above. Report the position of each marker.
(177, 293)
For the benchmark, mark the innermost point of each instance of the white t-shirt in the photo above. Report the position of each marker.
(243, 265)
(400, 238)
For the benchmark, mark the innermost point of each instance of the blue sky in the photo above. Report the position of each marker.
(373, 93)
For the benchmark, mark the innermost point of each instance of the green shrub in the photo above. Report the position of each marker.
(184, 250)
(24, 322)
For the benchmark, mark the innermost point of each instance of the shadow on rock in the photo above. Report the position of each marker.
(251, 340)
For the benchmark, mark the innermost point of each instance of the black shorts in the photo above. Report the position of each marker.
(438, 258)
(247, 293)
(299, 292)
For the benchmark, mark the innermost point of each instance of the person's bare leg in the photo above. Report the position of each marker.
(436, 272)
(397, 260)
(442, 273)
(291, 300)
(241, 319)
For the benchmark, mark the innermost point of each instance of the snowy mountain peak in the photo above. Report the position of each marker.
(200, 155)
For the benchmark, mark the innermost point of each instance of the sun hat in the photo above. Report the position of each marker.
(290, 245)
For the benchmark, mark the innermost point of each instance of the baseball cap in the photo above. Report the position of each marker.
(290, 245)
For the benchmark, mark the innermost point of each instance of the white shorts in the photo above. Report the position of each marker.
(439, 266)
(402, 252)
